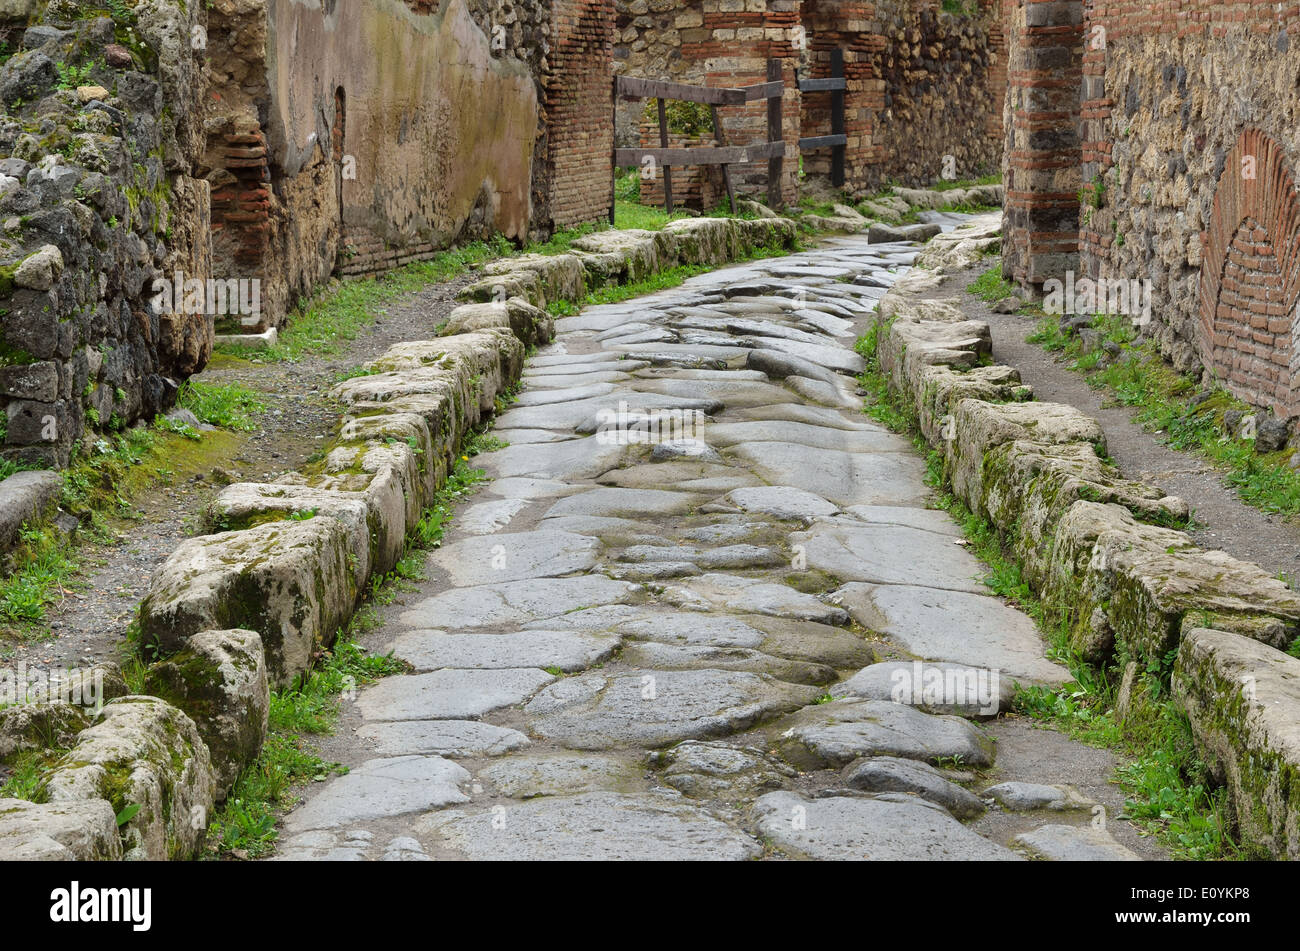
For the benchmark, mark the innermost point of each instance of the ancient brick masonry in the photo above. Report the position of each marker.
(1182, 149)
(1041, 162)
(579, 111)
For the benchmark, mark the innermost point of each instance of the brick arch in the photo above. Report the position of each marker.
(1250, 277)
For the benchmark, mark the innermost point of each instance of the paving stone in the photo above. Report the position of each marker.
(805, 434)
(630, 503)
(714, 630)
(975, 630)
(715, 770)
(845, 478)
(1028, 797)
(562, 774)
(571, 459)
(600, 826)
(687, 656)
(882, 774)
(650, 708)
(449, 694)
(890, 555)
(381, 788)
(844, 828)
(444, 737)
(836, 733)
(743, 594)
(814, 415)
(513, 557)
(652, 571)
(542, 396)
(514, 602)
(1062, 843)
(931, 520)
(781, 502)
(485, 518)
(566, 650)
(727, 556)
(956, 689)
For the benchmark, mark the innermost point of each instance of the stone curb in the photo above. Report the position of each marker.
(1084, 535)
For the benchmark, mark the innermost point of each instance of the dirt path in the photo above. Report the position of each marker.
(90, 623)
(663, 635)
(1223, 520)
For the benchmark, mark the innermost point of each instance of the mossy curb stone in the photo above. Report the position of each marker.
(219, 679)
(58, 831)
(145, 753)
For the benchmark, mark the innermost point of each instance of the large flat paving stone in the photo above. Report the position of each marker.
(712, 770)
(956, 689)
(568, 459)
(688, 657)
(627, 503)
(562, 774)
(890, 555)
(381, 788)
(565, 650)
(735, 593)
(810, 435)
(512, 557)
(1062, 843)
(650, 708)
(861, 829)
(444, 737)
(486, 518)
(514, 602)
(845, 478)
(975, 630)
(599, 826)
(836, 733)
(889, 774)
(781, 501)
(449, 694)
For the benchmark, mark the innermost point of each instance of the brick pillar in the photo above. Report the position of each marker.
(580, 111)
(1041, 165)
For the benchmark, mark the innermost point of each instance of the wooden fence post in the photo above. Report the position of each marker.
(837, 119)
(774, 134)
(668, 172)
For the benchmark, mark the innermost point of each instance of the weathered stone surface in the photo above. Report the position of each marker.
(565, 650)
(142, 752)
(989, 635)
(219, 679)
(444, 737)
(1135, 583)
(854, 829)
(836, 733)
(1243, 701)
(530, 324)
(783, 502)
(450, 694)
(687, 657)
(886, 774)
(1028, 797)
(513, 557)
(562, 774)
(381, 788)
(715, 770)
(650, 708)
(1062, 843)
(290, 581)
(889, 555)
(737, 593)
(844, 478)
(24, 498)
(598, 826)
(515, 602)
(39, 725)
(951, 689)
(83, 831)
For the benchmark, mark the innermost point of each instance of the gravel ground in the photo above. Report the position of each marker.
(1223, 520)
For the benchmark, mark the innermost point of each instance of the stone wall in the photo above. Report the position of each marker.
(915, 74)
(1161, 145)
(97, 142)
(247, 150)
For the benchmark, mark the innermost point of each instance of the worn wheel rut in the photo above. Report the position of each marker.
(679, 622)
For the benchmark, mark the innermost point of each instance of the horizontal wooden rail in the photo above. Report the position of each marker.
(704, 155)
(630, 88)
(822, 85)
(822, 142)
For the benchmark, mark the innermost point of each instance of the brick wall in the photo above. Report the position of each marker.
(580, 112)
(1174, 95)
